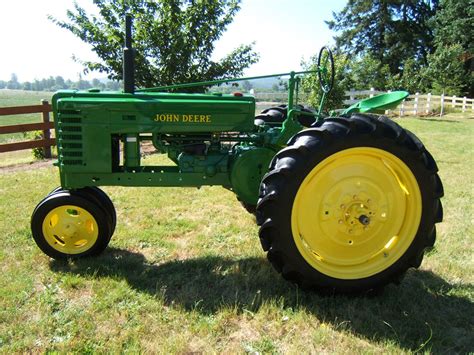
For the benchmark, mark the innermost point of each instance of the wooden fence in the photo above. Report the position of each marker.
(45, 126)
(417, 104)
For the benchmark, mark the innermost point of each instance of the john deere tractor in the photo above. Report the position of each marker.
(345, 203)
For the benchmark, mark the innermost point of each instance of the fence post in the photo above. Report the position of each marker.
(428, 103)
(387, 112)
(464, 100)
(372, 92)
(46, 132)
(415, 105)
(453, 102)
(442, 105)
(402, 111)
(351, 95)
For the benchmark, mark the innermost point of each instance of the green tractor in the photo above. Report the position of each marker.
(344, 204)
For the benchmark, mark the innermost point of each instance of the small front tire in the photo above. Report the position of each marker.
(65, 225)
(98, 196)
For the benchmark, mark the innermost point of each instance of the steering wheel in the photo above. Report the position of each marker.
(325, 74)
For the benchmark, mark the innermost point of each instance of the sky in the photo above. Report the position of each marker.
(284, 32)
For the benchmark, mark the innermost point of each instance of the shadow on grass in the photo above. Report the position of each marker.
(437, 119)
(424, 312)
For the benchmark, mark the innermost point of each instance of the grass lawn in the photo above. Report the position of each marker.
(185, 273)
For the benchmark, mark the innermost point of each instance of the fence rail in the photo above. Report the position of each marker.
(46, 143)
(416, 104)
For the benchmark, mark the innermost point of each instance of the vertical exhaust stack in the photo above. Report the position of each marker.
(128, 58)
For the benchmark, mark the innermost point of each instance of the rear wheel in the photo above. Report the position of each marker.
(350, 205)
(250, 208)
(274, 116)
(66, 225)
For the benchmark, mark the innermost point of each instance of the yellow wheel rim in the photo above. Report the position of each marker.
(70, 229)
(356, 213)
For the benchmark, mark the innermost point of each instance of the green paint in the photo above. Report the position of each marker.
(248, 167)
(379, 103)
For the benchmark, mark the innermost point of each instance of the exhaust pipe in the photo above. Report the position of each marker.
(128, 58)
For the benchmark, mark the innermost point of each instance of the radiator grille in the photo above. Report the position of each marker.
(70, 137)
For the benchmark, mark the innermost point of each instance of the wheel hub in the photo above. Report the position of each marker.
(355, 216)
(70, 229)
(356, 212)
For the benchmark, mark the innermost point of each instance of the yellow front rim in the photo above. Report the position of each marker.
(356, 213)
(70, 229)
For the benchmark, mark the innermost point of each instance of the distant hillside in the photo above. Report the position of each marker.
(267, 83)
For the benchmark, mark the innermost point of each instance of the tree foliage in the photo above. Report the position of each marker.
(413, 45)
(368, 71)
(391, 31)
(174, 39)
(454, 24)
(310, 83)
(58, 83)
(446, 70)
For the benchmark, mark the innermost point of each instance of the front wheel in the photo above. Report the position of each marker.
(66, 225)
(351, 205)
(96, 195)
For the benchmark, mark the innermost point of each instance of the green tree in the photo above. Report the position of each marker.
(96, 83)
(13, 83)
(342, 82)
(37, 85)
(174, 39)
(446, 70)
(247, 85)
(367, 72)
(390, 31)
(414, 78)
(454, 24)
(26, 86)
(59, 82)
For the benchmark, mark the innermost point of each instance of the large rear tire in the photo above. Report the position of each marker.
(349, 206)
(274, 116)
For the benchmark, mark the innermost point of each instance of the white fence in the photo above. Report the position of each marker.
(417, 104)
